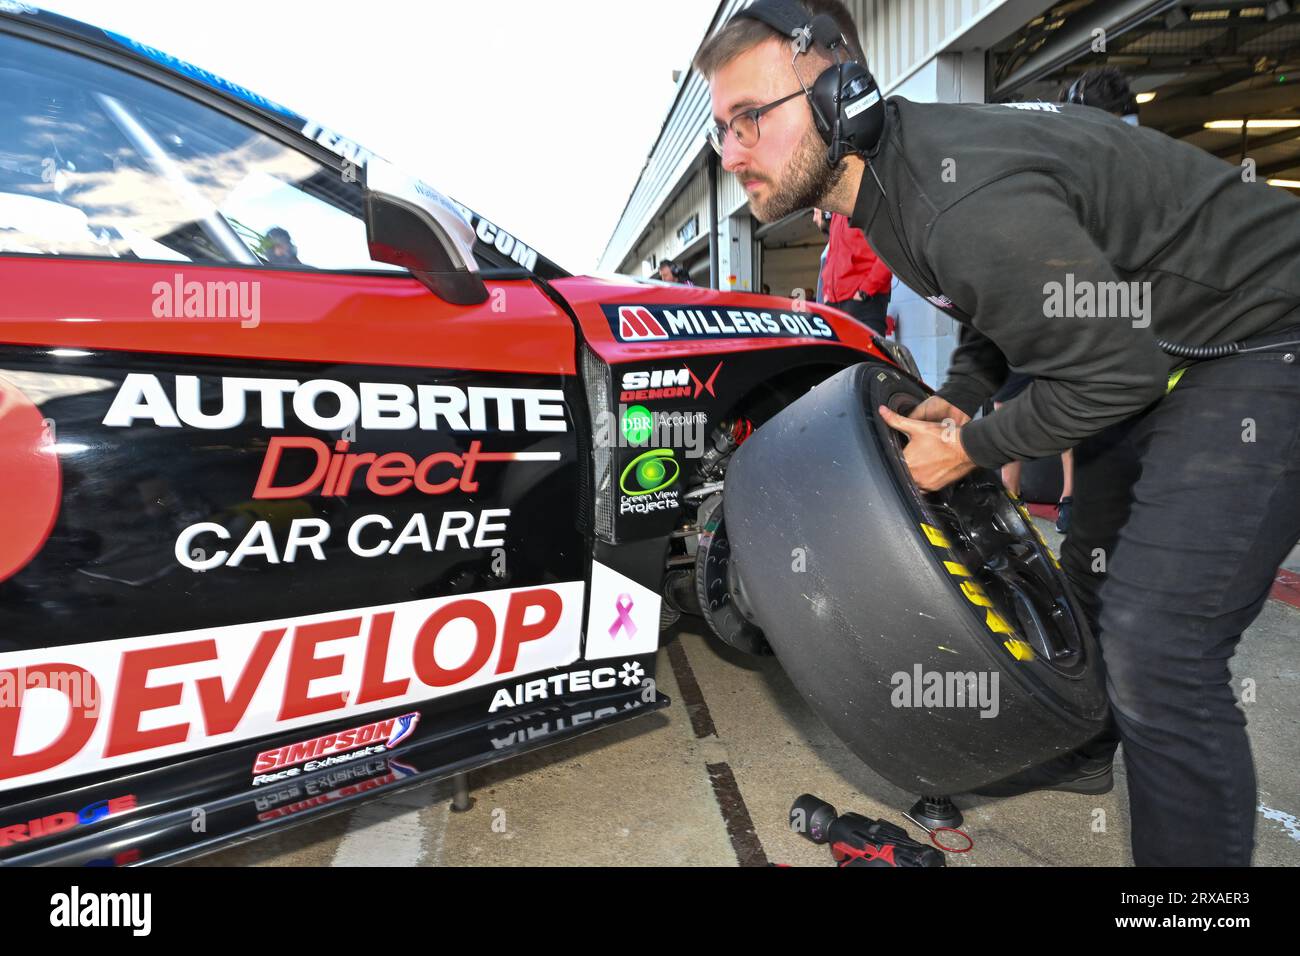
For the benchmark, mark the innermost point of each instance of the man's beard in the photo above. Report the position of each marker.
(808, 179)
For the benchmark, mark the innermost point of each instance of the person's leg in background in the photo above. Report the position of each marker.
(1065, 507)
(869, 311)
(1106, 467)
(874, 309)
(1215, 509)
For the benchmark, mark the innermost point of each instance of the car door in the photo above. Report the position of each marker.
(269, 506)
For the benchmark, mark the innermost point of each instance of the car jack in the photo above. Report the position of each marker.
(932, 813)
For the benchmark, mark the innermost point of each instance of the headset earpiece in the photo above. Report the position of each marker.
(848, 110)
(848, 92)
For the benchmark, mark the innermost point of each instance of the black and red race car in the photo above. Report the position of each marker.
(317, 485)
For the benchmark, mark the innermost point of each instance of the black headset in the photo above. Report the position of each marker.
(847, 107)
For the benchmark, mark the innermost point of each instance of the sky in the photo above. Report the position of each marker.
(537, 115)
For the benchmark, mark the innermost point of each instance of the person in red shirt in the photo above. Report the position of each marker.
(854, 280)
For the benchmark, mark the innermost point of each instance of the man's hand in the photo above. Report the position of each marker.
(936, 409)
(934, 454)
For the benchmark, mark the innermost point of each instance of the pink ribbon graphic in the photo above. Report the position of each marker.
(624, 619)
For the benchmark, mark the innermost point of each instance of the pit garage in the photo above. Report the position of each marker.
(1220, 75)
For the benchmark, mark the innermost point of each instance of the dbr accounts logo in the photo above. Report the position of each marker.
(30, 483)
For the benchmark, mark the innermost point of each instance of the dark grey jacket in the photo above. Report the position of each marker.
(1067, 242)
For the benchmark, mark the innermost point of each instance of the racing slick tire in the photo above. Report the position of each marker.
(934, 633)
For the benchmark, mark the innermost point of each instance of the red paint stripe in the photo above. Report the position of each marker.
(304, 316)
(1286, 587)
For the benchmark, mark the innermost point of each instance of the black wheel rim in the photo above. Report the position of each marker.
(1006, 560)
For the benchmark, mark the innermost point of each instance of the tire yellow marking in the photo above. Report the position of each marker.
(1019, 649)
(975, 594)
(935, 536)
(997, 623)
(956, 568)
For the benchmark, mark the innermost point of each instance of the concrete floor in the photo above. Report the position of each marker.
(652, 792)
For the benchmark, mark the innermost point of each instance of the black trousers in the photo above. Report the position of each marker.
(1182, 515)
(869, 311)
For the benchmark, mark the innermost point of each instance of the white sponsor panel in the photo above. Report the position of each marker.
(623, 620)
(145, 698)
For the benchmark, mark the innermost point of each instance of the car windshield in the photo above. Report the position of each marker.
(96, 162)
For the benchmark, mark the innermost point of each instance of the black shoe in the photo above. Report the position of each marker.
(1070, 773)
(1063, 515)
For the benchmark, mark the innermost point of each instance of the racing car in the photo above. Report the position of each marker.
(318, 485)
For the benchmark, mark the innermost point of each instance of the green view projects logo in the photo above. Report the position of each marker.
(649, 472)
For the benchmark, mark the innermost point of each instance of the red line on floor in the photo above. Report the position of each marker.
(1286, 587)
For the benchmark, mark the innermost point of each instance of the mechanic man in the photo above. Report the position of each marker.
(1067, 243)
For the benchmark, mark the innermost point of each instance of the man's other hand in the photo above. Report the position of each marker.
(934, 453)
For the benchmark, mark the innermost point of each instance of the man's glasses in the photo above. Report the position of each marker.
(744, 125)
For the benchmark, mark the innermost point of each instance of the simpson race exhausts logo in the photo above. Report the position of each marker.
(328, 750)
